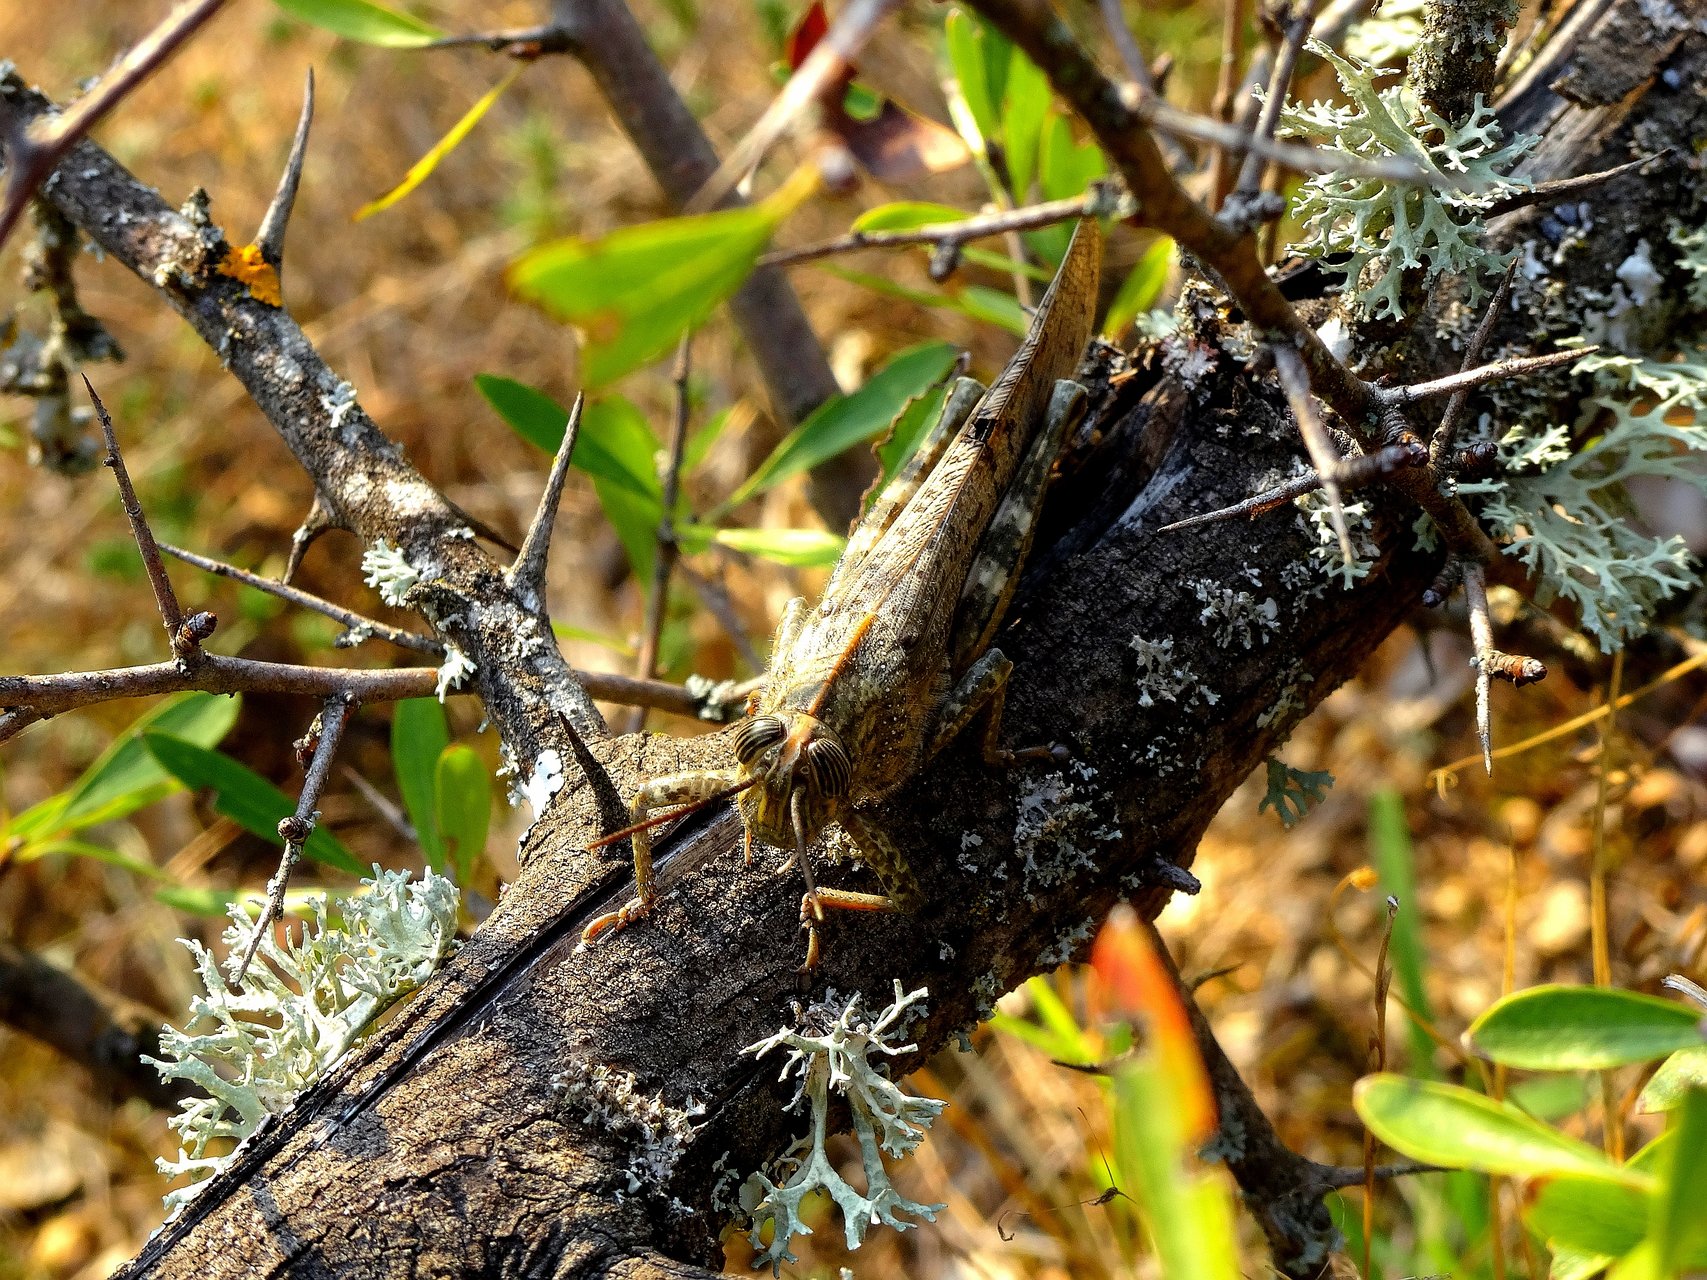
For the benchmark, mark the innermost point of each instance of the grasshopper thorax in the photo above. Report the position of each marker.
(799, 766)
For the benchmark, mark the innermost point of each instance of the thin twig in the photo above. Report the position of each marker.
(1295, 381)
(1279, 86)
(847, 35)
(271, 237)
(1350, 473)
(170, 611)
(715, 597)
(1131, 56)
(1291, 155)
(523, 42)
(1482, 639)
(1221, 172)
(658, 593)
(1469, 379)
(33, 154)
(1440, 448)
(957, 233)
(527, 573)
(326, 732)
(32, 698)
(356, 622)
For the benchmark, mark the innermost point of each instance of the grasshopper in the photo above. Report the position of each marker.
(897, 658)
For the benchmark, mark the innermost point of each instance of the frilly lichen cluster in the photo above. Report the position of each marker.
(1568, 516)
(298, 1009)
(831, 1052)
(1387, 228)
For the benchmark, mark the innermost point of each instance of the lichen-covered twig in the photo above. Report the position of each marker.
(526, 573)
(271, 237)
(34, 148)
(1489, 661)
(322, 740)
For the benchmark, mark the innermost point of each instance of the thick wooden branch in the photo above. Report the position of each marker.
(491, 1128)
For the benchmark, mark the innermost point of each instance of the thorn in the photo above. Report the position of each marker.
(319, 520)
(271, 237)
(298, 827)
(1562, 188)
(184, 643)
(1459, 383)
(1295, 380)
(528, 571)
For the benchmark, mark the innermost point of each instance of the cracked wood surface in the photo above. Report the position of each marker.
(458, 1141)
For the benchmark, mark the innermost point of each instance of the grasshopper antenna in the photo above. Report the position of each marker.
(658, 820)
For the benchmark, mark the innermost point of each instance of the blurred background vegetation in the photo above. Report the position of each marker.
(1494, 878)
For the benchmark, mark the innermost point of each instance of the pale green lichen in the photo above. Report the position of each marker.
(831, 1052)
(389, 571)
(1387, 228)
(1691, 245)
(1327, 554)
(299, 1008)
(1567, 515)
(1292, 793)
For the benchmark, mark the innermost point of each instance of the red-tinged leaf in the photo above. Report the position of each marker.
(1134, 983)
(813, 24)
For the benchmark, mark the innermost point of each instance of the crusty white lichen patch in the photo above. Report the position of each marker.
(545, 781)
(609, 1099)
(831, 1051)
(388, 570)
(1235, 616)
(453, 671)
(1056, 832)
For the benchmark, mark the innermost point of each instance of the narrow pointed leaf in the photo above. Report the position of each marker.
(1590, 1216)
(364, 21)
(801, 548)
(907, 215)
(422, 169)
(1679, 1230)
(245, 797)
(1139, 291)
(1684, 1070)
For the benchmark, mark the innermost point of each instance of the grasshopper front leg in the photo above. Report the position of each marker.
(657, 793)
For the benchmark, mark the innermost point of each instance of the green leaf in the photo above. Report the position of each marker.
(1684, 1070)
(907, 215)
(1139, 291)
(423, 168)
(215, 902)
(1067, 167)
(464, 792)
(1679, 1230)
(126, 778)
(608, 447)
(993, 306)
(245, 797)
(634, 292)
(700, 440)
(801, 548)
(1023, 112)
(419, 735)
(978, 58)
(618, 646)
(365, 21)
(912, 424)
(1560, 1028)
(844, 421)
(1590, 1216)
(94, 852)
(1447, 1125)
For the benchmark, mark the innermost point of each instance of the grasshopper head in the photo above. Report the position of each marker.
(801, 772)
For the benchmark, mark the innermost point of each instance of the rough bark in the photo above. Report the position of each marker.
(472, 1135)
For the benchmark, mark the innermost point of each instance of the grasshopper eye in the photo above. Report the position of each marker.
(828, 766)
(755, 735)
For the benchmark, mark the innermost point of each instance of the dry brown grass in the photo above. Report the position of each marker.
(409, 306)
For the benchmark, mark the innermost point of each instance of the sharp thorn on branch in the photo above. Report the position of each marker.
(271, 237)
(319, 520)
(1454, 383)
(1295, 381)
(1565, 188)
(528, 571)
(1444, 434)
(185, 640)
(356, 622)
(322, 740)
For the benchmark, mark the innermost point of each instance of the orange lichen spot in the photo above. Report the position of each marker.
(247, 265)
